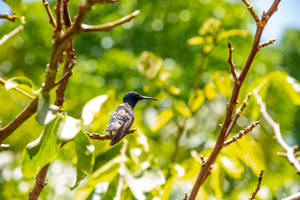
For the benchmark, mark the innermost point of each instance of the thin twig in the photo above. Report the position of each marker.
(293, 197)
(251, 10)
(229, 60)
(4, 147)
(121, 171)
(39, 183)
(48, 10)
(2, 82)
(258, 185)
(289, 151)
(238, 114)
(206, 169)
(267, 43)
(96, 136)
(6, 37)
(11, 18)
(241, 133)
(108, 26)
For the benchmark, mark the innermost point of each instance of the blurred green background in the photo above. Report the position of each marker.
(175, 51)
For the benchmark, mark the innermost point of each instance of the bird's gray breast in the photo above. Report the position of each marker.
(122, 115)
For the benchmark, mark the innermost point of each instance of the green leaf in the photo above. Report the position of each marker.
(85, 156)
(149, 64)
(182, 108)
(17, 6)
(68, 128)
(46, 111)
(91, 108)
(197, 40)
(162, 119)
(112, 188)
(196, 99)
(41, 151)
(232, 166)
(22, 83)
(144, 182)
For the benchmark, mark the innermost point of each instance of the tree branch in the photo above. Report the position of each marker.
(251, 10)
(4, 147)
(206, 168)
(18, 120)
(11, 18)
(39, 183)
(96, 136)
(108, 26)
(266, 43)
(241, 133)
(48, 10)
(290, 151)
(293, 197)
(229, 60)
(6, 37)
(258, 185)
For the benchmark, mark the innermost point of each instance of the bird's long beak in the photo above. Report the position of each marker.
(150, 98)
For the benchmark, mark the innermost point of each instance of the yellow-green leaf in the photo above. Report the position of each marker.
(196, 99)
(217, 180)
(149, 64)
(210, 26)
(210, 90)
(182, 108)
(233, 32)
(197, 40)
(162, 119)
(232, 166)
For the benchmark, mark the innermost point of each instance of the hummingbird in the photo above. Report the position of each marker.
(122, 117)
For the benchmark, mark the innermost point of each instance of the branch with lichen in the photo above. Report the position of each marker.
(260, 25)
(290, 152)
(260, 176)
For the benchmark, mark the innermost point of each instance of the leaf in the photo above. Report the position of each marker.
(167, 189)
(197, 40)
(162, 119)
(149, 64)
(23, 83)
(83, 193)
(68, 128)
(144, 182)
(182, 108)
(85, 156)
(210, 26)
(196, 99)
(91, 108)
(112, 188)
(232, 166)
(210, 90)
(17, 6)
(46, 111)
(223, 82)
(41, 151)
(174, 90)
(233, 32)
(217, 180)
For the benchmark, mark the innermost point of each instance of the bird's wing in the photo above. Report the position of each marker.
(118, 119)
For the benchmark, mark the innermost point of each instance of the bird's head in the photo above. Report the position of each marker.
(133, 97)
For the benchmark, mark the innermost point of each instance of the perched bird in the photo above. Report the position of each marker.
(122, 118)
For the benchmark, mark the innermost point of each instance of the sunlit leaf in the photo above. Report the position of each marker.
(223, 82)
(217, 180)
(41, 151)
(22, 83)
(162, 119)
(68, 128)
(232, 166)
(233, 32)
(210, 26)
(144, 182)
(197, 40)
(46, 111)
(174, 90)
(91, 108)
(196, 99)
(210, 90)
(149, 64)
(112, 188)
(167, 189)
(17, 6)
(83, 193)
(182, 108)
(85, 156)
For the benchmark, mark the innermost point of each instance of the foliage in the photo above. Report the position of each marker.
(173, 53)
